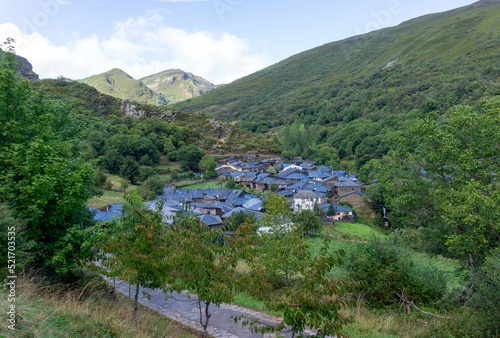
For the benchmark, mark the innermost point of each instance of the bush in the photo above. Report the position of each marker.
(487, 297)
(385, 270)
(145, 172)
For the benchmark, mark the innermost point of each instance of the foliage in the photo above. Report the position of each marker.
(130, 169)
(152, 187)
(443, 177)
(190, 157)
(309, 221)
(204, 263)
(145, 172)
(347, 99)
(487, 296)
(43, 173)
(238, 218)
(288, 278)
(133, 247)
(208, 164)
(13, 230)
(384, 270)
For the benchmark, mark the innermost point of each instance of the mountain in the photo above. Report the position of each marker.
(119, 84)
(356, 95)
(177, 83)
(24, 67)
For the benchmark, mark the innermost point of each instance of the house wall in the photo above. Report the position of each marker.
(353, 199)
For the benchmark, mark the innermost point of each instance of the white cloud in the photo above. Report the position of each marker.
(140, 46)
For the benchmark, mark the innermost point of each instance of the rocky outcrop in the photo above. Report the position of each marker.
(225, 130)
(130, 110)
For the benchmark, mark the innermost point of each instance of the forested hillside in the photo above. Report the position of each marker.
(352, 98)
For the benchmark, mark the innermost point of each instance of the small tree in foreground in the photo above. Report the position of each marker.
(204, 264)
(134, 247)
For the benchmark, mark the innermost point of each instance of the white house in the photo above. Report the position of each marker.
(305, 199)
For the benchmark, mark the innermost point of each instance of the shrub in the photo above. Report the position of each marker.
(145, 172)
(487, 297)
(385, 270)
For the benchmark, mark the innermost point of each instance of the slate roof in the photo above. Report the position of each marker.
(348, 184)
(352, 192)
(286, 193)
(254, 204)
(210, 220)
(303, 194)
(317, 174)
(338, 208)
(258, 215)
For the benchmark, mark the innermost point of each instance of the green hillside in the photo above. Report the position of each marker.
(199, 129)
(357, 94)
(119, 84)
(178, 84)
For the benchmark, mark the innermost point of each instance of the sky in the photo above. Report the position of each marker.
(220, 40)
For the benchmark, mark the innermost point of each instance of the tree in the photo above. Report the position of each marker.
(208, 164)
(447, 172)
(190, 157)
(204, 262)
(44, 176)
(134, 247)
(288, 278)
(308, 220)
(130, 169)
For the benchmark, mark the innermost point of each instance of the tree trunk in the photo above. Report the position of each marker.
(136, 304)
(207, 318)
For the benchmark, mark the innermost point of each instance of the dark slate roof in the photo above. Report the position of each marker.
(348, 184)
(353, 192)
(295, 176)
(206, 206)
(299, 185)
(103, 216)
(210, 219)
(258, 215)
(286, 193)
(250, 166)
(325, 169)
(338, 208)
(317, 174)
(303, 194)
(339, 172)
(254, 204)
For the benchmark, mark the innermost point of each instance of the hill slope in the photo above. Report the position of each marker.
(370, 86)
(119, 84)
(178, 84)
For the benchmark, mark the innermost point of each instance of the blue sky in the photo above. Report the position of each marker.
(220, 40)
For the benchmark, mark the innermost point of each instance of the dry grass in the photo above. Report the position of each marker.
(50, 311)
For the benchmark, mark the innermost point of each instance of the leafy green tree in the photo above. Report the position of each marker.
(152, 187)
(146, 172)
(13, 230)
(452, 167)
(203, 264)
(309, 221)
(288, 278)
(43, 172)
(208, 164)
(130, 169)
(190, 157)
(134, 247)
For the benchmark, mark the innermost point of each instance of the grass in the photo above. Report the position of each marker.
(111, 196)
(46, 310)
(202, 185)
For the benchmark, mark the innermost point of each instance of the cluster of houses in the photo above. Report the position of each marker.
(303, 184)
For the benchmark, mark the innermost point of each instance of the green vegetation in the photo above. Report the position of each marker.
(177, 85)
(85, 310)
(349, 101)
(119, 84)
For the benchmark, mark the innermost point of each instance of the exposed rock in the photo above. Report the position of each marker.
(130, 110)
(225, 130)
